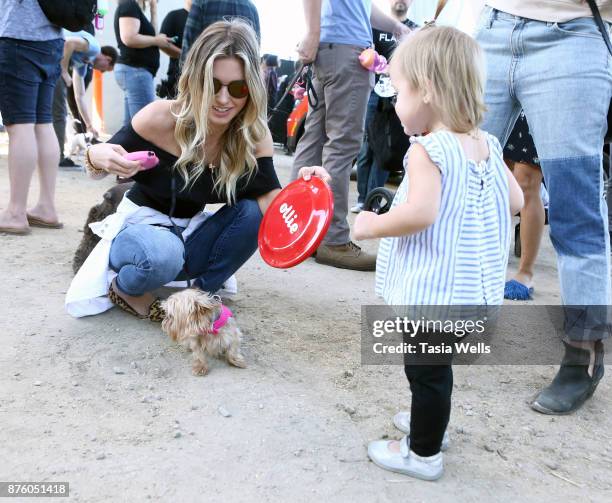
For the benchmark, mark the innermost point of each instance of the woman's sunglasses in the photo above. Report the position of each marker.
(236, 88)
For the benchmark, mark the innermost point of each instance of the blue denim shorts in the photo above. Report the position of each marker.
(28, 73)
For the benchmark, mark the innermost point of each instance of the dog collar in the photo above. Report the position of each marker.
(220, 322)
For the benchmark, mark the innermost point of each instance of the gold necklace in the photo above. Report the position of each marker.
(209, 164)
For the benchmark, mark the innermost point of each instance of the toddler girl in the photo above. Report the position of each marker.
(446, 237)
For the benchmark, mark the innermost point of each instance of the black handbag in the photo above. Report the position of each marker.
(604, 33)
(73, 15)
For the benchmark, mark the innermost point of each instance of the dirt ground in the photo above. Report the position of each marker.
(109, 404)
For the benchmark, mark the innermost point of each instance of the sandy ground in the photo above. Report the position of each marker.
(109, 404)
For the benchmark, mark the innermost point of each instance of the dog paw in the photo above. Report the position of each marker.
(199, 369)
(237, 361)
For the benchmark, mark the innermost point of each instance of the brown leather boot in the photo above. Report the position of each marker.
(348, 256)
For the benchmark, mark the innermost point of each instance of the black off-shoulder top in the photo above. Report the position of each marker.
(153, 187)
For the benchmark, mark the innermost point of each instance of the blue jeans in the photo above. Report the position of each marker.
(369, 175)
(561, 75)
(138, 89)
(147, 257)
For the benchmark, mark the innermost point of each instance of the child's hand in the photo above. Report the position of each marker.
(307, 171)
(364, 225)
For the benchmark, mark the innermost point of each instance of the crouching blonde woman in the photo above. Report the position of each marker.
(214, 146)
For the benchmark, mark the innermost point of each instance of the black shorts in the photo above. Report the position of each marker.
(28, 73)
(520, 146)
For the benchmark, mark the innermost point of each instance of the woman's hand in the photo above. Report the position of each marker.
(162, 41)
(307, 171)
(110, 158)
(91, 129)
(363, 228)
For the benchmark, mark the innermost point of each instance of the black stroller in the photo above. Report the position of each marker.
(389, 144)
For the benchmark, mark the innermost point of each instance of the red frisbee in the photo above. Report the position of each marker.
(296, 222)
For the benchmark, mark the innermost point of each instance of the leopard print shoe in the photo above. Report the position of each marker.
(156, 311)
(114, 297)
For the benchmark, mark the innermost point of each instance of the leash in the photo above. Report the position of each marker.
(303, 76)
(175, 228)
(313, 99)
(288, 89)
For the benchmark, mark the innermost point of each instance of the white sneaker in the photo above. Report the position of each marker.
(401, 420)
(358, 208)
(406, 462)
(227, 290)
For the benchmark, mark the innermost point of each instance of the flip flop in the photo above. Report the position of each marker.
(515, 290)
(39, 222)
(17, 231)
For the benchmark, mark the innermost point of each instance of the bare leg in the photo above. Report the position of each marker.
(529, 178)
(48, 159)
(21, 161)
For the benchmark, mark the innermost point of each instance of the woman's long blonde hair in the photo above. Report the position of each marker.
(224, 39)
(450, 64)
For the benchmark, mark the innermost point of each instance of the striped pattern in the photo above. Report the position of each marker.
(461, 259)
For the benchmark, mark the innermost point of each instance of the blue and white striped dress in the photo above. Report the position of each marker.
(461, 259)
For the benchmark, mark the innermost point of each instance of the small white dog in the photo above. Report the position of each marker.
(200, 321)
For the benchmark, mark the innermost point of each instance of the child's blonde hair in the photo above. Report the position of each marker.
(450, 64)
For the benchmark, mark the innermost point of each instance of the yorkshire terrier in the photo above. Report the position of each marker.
(199, 321)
